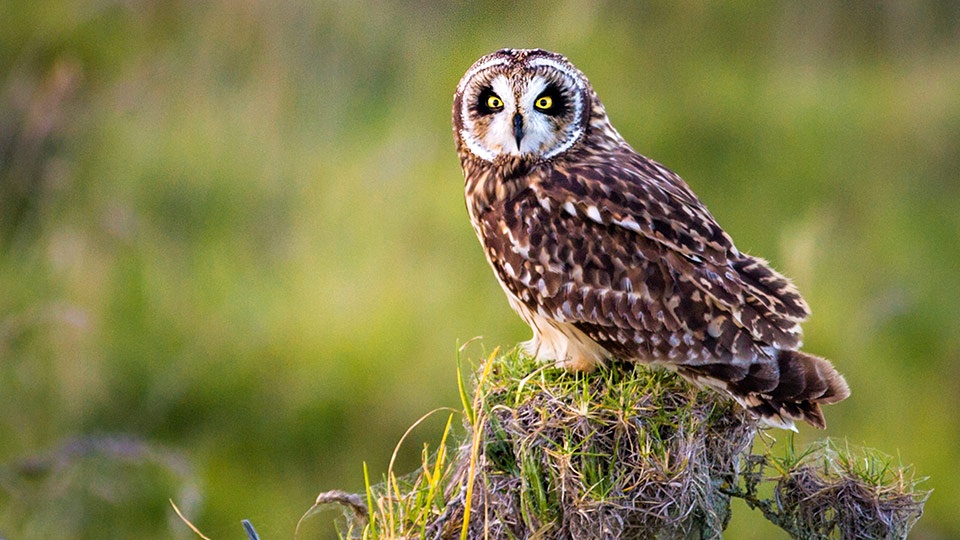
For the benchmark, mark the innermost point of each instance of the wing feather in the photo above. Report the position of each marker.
(631, 256)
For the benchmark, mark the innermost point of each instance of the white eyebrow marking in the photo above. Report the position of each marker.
(478, 68)
(538, 62)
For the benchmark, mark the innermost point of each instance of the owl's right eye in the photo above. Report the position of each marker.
(488, 102)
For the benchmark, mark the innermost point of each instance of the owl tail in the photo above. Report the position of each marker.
(793, 391)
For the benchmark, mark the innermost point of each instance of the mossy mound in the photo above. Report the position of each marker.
(618, 454)
(625, 452)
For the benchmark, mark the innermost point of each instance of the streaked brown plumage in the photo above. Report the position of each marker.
(606, 253)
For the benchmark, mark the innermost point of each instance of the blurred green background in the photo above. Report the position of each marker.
(235, 262)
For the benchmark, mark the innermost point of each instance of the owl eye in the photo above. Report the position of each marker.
(551, 102)
(543, 103)
(488, 102)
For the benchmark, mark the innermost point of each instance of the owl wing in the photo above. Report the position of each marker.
(630, 256)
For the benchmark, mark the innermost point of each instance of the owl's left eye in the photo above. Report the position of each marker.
(543, 103)
(551, 102)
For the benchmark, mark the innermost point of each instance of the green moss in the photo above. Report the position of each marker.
(627, 452)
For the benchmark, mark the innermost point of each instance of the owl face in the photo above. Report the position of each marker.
(520, 102)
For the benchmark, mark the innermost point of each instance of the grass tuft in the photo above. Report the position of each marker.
(625, 452)
(834, 491)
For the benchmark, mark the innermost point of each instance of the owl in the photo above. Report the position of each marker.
(608, 254)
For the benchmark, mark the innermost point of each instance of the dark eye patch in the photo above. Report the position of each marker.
(481, 106)
(560, 105)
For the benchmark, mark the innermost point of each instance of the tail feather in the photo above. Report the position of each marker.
(778, 393)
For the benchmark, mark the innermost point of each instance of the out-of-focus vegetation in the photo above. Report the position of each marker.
(235, 262)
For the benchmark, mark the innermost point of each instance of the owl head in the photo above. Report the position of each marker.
(526, 103)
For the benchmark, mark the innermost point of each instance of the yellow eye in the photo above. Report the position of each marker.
(543, 103)
(494, 102)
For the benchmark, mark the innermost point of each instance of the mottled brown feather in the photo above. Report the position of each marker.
(607, 241)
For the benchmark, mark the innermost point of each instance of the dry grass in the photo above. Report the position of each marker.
(625, 453)
(834, 492)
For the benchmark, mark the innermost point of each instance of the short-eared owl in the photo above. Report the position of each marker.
(606, 253)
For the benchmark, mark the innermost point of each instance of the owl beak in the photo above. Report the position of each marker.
(518, 128)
